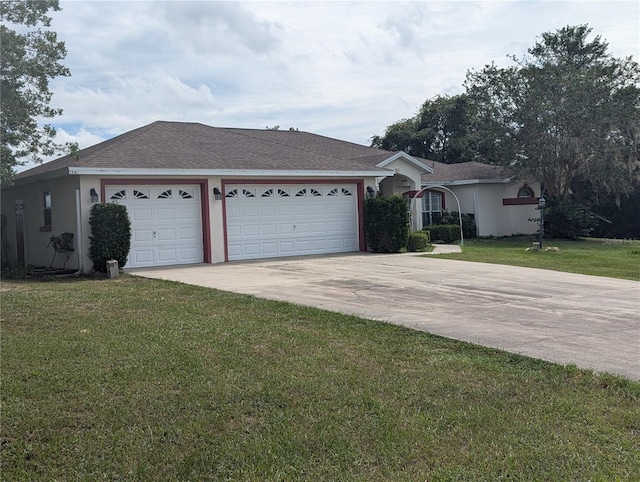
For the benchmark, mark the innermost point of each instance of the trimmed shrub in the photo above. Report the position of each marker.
(110, 235)
(451, 217)
(447, 233)
(418, 241)
(386, 224)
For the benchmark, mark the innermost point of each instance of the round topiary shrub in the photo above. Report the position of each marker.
(418, 241)
(110, 235)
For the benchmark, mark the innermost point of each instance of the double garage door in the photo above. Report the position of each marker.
(262, 221)
(166, 223)
(266, 221)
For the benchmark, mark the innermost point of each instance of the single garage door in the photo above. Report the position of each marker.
(166, 223)
(266, 221)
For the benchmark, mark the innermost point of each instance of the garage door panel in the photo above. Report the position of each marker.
(250, 211)
(311, 219)
(285, 210)
(269, 229)
(142, 235)
(190, 255)
(167, 255)
(164, 235)
(233, 212)
(189, 214)
(268, 212)
(286, 247)
(251, 230)
(301, 210)
(251, 249)
(142, 256)
(189, 234)
(137, 214)
(286, 229)
(269, 248)
(165, 214)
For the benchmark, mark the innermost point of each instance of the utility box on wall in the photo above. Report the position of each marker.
(112, 268)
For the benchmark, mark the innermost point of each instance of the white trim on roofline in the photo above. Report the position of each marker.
(464, 182)
(409, 158)
(94, 171)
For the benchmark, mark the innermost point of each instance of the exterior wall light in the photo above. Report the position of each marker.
(217, 195)
(94, 195)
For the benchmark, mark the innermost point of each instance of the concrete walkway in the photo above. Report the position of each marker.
(592, 322)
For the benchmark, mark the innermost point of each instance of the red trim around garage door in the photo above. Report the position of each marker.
(204, 202)
(360, 201)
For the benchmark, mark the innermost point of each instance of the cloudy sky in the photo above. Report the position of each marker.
(341, 69)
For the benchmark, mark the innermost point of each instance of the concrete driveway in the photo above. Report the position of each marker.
(590, 321)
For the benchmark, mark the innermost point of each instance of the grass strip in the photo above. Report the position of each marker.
(138, 379)
(585, 256)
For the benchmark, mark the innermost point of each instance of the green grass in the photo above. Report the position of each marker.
(587, 256)
(136, 379)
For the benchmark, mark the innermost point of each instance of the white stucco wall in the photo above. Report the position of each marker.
(485, 202)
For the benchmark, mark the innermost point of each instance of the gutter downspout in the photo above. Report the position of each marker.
(79, 231)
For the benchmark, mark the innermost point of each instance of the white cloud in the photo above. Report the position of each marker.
(344, 69)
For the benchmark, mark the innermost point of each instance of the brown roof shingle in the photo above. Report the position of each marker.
(180, 145)
(184, 145)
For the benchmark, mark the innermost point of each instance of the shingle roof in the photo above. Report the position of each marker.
(180, 145)
(183, 145)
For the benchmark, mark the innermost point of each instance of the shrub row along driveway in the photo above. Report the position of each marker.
(592, 322)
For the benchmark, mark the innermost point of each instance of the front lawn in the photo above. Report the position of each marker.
(615, 259)
(138, 379)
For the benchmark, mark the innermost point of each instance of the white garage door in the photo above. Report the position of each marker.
(287, 220)
(166, 223)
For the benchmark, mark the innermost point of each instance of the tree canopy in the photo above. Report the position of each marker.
(30, 55)
(568, 113)
(443, 130)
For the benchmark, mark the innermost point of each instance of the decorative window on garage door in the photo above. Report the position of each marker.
(142, 194)
(115, 194)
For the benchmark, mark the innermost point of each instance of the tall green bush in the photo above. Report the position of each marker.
(386, 224)
(110, 235)
(568, 219)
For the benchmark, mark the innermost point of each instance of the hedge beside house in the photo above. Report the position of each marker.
(386, 224)
(446, 233)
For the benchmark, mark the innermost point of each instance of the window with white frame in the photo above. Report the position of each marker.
(431, 206)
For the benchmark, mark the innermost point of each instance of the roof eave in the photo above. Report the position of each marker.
(38, 177)
(93, 171)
